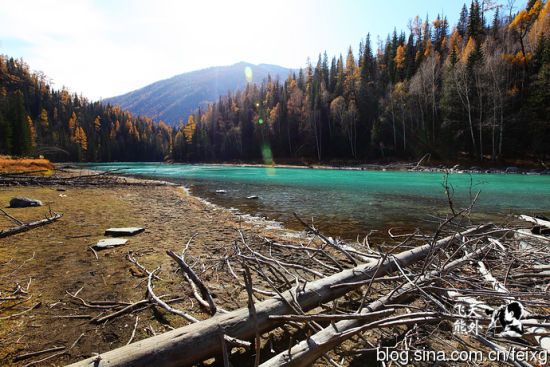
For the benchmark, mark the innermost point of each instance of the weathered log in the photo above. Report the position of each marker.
(31, 225)
(307, 351)
(542, 227)
(537, 221)
(196, 342)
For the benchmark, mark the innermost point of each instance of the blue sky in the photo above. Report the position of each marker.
(105, 47)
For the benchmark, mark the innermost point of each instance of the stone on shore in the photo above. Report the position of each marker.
(110, 242)
(21, 202)
(124, 231)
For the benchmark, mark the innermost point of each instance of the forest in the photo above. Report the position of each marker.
(37, 120)
(479, 91)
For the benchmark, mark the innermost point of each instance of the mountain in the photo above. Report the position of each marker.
(173, 99)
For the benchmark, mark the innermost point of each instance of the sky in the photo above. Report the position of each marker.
(103, 48)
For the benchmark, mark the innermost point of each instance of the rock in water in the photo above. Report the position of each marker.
(110, 242)
(252, 197)
(221, 191)
(126, 231)
(20, 202)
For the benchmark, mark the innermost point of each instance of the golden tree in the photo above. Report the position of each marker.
(97, 124)
(32, 131)
(400, 57)
(520, 25)
(470, 47)
(44, 119)
(541, 26)
(190, 128)
(81, 138)
(72, 122)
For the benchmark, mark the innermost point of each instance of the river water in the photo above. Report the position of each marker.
(348, 203)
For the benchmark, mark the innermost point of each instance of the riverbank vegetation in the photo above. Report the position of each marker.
(25, 165)
(478, 90)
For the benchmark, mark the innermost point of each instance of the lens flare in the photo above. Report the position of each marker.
(267, 156)
(248, 74)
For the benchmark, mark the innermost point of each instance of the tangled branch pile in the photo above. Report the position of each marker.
(478, 289)
(75, 178)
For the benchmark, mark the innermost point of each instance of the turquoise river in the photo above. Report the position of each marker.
(348, 203)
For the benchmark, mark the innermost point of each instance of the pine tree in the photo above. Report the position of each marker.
(21, 135)
(339, 88)
(5, 135)
(475, 23)
(463, 21)
(325, 70)
(332, 76)
(496, 24)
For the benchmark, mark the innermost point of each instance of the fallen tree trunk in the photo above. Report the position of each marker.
(196, 342)
(537, 221)
(26, 226)
(311, 349)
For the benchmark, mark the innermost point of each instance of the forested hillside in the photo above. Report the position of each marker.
(479, 90)
(173, 99)
(34, 119)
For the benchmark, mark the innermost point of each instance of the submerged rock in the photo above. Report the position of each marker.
(20, 202)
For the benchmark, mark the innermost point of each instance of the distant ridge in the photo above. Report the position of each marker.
(173, 99)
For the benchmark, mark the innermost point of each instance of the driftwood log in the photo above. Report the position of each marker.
(26, 226)
(196, 342)
(309, 350)
(537, 221)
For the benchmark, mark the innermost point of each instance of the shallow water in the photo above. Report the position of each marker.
(348, 203)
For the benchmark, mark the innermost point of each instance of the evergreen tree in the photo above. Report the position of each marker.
(475, 23)
(496, 24)
(332, 76)
(463, 21)
(5, 135)
(17, 118)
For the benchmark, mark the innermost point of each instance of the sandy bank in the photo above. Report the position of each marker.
(56, 259)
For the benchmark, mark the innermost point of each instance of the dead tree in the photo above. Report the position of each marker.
(199, 341)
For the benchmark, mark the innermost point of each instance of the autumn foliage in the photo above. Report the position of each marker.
(35, 119)
(25, 165)
(479, 89)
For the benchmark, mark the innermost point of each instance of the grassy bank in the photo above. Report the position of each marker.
(10, 165)
(47, 262)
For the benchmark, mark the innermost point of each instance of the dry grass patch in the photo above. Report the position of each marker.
(25, 165)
